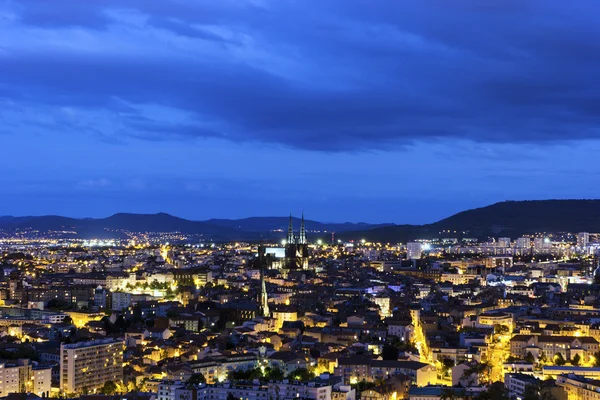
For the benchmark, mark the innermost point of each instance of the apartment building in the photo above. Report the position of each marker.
(551, 346)
(88, 365)
(21, 377)
(577, 387)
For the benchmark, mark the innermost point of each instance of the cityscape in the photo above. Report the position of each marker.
(301, 317)
(299, 200)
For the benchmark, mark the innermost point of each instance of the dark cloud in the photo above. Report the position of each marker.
(333, 75)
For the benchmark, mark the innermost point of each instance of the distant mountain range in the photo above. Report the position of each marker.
(509, 218)
(117, 225)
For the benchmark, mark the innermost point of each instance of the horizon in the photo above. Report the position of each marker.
(294, 216)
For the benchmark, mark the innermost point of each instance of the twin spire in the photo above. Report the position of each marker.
(290, 236)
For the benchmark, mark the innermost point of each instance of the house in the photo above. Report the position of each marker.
(157, 333)
(517, 383)
(287, 361)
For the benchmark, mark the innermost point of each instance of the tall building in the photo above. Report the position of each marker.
(583, 238)
(21, 377)
(296, 248)
(87, 366)
(504, 242)
(414, 250)
(523, 243)
(542, 244)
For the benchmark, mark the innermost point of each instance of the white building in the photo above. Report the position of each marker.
(542, 244)
(414, 250)
(167, 390)
(504, 242)
(523, 243)
(120, 301)
(22, 377)
(583, 238)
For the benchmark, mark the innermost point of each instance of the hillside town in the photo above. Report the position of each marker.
(425, 320)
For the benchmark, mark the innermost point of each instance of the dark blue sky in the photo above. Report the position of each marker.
(403, 111)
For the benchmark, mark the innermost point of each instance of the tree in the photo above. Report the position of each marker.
(495, 391)
(302, 374)
(541, 390)
(481, 370)
(273, 374)
(109, 388)
(597, 359)
(530, 358)
(196, 379)
(389, 352)
(230, 396)
(576, 360)
(448, 394)
(447, 365)
(501, 329)
(559, 360)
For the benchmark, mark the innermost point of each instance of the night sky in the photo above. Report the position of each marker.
(380, 111)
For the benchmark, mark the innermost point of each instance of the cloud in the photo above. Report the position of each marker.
(99, 183)
(323, 76)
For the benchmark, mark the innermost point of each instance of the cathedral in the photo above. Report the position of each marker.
(296, 248)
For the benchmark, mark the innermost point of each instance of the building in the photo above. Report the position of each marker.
(357, 369)
(583, 239)
(121, 301)
(22, 377)
(402, 330)
(517, 383)
(384, 306)
(496, 318)
(578, 387)
(504, 242)
(89, 365)
(296, 248)
(167, 390)
(523, 243)
(551, 346)
(284, 314)
(541, 245)
(315, 389)
(414, 250)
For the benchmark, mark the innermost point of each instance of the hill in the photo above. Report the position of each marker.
(218, 229)
(508, 218)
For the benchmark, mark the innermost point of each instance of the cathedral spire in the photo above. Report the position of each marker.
(290, 235)
(302, 231)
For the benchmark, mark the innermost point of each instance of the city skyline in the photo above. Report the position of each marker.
(404, 113)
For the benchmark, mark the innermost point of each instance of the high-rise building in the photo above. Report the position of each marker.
(583, 238)
(523, 243)
(414, 250)
(87, 366)
(542, 244)
(504, 242)
(21, 377)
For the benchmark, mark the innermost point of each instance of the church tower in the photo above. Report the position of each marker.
(302, 239)
(290, 236)
(296, 248)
